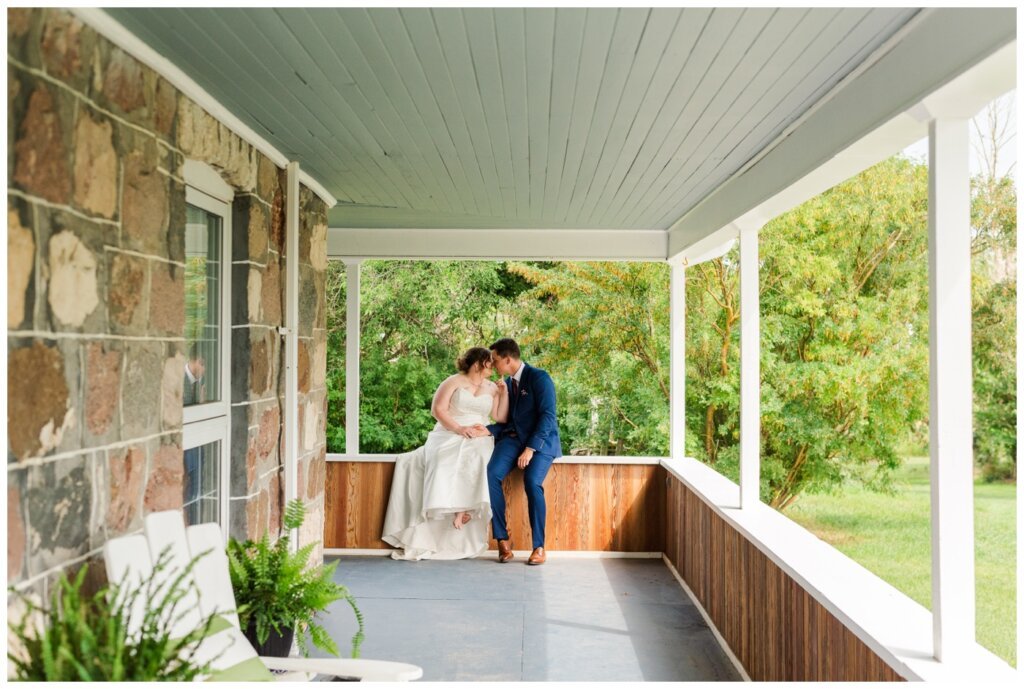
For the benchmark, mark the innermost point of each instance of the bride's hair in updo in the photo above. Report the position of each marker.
(471, 357)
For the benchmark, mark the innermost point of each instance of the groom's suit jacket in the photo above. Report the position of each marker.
(531, 413)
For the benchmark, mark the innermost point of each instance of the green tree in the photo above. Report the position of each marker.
(843, 327)
(417, 317)
(601, 330)
(335, 292)
(994, 300)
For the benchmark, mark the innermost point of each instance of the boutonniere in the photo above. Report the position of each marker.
(523, 393)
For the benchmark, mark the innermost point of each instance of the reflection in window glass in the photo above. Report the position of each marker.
(202, 484)
(203, 273)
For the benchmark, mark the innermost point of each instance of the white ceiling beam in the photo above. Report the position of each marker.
(962, 54)
(491, 244)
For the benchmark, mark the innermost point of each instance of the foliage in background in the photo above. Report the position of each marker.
(336, 294)
(844, 326)
(994, 299)
(843, 292)
(277, 589)
(844, 340)
(601, 330)
(417, 317)
(86, 638)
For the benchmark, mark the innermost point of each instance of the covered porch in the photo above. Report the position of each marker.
(613, 135)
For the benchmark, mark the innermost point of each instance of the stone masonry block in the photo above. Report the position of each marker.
(16, 533)
(165, 485)
(21, 257)
(125, 85)
(103, 390)
(41, 150)
(66, 48)
(141, 388)
(39, 402)
(73, 291)
(58, 501)
(144, 205)
(272, 294)
(167, 299)
(95, 165)
(166, 107)
(128, 292)
(126, 480)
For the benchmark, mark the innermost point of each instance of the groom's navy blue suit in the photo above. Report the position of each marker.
(531, 423)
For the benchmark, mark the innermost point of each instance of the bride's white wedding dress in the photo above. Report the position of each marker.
(446, 475)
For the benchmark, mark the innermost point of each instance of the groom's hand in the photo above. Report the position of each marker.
(479, 431)
(524, 459)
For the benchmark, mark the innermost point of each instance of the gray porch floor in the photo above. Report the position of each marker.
(570, 619)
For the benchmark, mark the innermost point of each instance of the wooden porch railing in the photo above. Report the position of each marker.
(604, 507)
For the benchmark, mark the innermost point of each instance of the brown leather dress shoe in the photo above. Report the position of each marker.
(537, 557)
(505, 551)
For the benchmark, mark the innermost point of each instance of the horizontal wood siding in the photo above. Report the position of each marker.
(776, 629)
(355, 502)
(603, 507)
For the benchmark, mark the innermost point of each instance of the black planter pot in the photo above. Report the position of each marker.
(276, 646)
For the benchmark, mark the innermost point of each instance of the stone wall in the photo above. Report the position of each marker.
(96, 216)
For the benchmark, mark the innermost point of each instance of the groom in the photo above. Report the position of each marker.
(529, 440)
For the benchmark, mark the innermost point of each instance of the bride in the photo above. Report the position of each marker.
(440, 506)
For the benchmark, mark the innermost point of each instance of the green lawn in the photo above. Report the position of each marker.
(889, 535)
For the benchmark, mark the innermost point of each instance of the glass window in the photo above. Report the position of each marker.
(203, 277)
(202, 486)
(206, 391)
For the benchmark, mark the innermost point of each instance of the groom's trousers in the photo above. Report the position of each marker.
(503, 460)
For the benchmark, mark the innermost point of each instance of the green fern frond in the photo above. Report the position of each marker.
(294, 514)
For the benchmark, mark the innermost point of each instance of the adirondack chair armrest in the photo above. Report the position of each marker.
(356, 668)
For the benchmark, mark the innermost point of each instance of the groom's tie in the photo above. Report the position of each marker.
(515, 389)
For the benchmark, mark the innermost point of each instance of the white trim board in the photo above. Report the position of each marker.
(116, 33)
(498, 245)
(567, 459)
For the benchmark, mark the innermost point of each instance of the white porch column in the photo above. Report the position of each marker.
(291, 341)
(949, 335)
(750, 369)
(352, 268)
(677, 359)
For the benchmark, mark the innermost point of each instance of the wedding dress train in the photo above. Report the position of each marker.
(432, 483)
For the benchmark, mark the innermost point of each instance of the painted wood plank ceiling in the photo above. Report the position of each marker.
(517, 118)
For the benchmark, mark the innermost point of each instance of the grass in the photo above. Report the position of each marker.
(890, 535)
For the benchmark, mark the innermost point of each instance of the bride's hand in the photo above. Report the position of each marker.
(466, 431)
(502, 388)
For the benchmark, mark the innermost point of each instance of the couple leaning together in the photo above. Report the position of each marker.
(444, 492)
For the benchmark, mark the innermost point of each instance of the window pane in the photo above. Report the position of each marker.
(203, 274)
(202, 484)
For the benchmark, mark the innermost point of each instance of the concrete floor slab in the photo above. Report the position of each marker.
(571, 619)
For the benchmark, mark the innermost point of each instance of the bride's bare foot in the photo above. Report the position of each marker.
(460, 519)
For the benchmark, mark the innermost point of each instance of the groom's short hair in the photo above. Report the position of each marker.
(506, 346)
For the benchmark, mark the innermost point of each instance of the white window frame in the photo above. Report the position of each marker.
(207, 423)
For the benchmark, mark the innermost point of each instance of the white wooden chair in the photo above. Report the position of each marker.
(130, 560)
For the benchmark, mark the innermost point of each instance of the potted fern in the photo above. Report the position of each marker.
(78, 637)
(278, 593)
